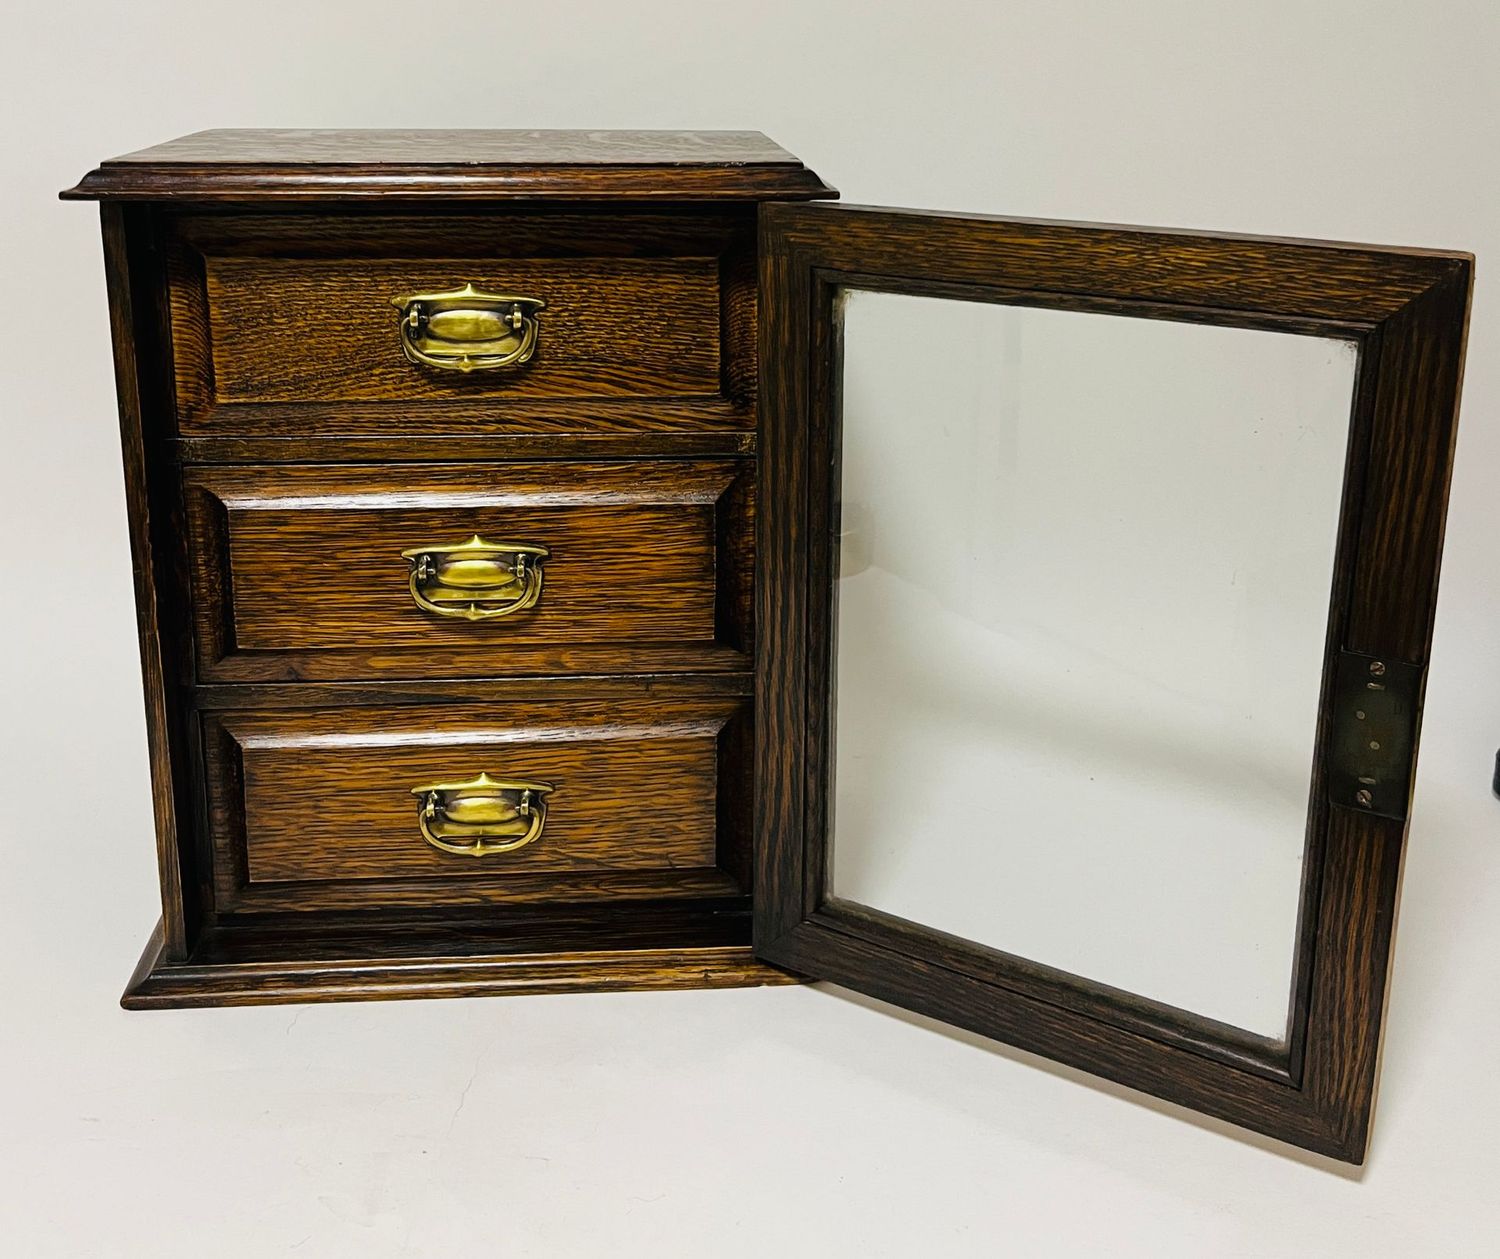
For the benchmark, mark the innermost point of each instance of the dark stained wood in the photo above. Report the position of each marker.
(454, 448)
(605, 890)
(625, 801)
(272, 314)
(475, 690)
(305, 965)
(279, 450)
(1320, 802)
(1414, 426)
(1406, 309)
(465, 931)
(263, 411)
(324, 797)
(464, 663)
(542, 423)
(369, 233)
(611, 327)
(1356, 921)
(817, 948)
(297, 570)
(285, 165)
(464, 146)
(1231, 1045)
(1306, 283)
(149, 510)
(785, 650)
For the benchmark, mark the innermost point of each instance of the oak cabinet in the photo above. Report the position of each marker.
(598, 560)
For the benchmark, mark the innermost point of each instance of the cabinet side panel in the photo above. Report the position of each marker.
(127, 280)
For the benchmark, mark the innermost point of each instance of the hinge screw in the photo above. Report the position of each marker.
(1362, 796)
(1377, 668)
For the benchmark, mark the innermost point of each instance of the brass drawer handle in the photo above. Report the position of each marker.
(482, 816)
(476, 580)
(466, 330)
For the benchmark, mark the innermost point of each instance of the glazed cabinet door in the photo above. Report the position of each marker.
(1097, 570)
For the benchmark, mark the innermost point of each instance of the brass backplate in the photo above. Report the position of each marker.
(1375, 708)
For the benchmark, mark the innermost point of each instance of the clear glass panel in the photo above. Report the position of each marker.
(1084, 574)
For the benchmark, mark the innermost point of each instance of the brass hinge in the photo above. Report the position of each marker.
(1374, 733)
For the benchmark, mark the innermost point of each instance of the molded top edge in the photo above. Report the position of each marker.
(241, 165)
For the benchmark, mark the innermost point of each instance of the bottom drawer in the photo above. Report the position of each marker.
(460, 804)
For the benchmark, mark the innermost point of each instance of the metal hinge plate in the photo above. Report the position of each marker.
(1374, 734)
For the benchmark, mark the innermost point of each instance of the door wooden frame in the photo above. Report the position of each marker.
(1406, 310)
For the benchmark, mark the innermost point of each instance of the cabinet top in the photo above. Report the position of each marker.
(358, 165)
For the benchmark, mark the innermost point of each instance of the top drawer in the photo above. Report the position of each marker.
(291, 325)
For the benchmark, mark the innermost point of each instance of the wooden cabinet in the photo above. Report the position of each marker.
(441, 457)
(492, 499)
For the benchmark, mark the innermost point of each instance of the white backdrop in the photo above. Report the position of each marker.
(743, 1123)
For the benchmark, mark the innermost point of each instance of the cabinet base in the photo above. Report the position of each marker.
(160, 984)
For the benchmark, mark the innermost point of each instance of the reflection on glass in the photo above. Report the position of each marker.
(1084, 573)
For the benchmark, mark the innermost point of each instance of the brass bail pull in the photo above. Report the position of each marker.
(481, 816)
(475, 580)
(468, 330)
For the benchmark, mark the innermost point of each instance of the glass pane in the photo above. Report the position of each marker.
(1084, 574)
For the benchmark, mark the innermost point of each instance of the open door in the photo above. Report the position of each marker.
(1097, 580)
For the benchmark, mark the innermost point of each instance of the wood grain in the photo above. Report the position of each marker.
(365, 972)
(467, 146)
(427, 931)
(400, 448)
(150, 501)
(605, 891)
(631, 438)
(284, 331)
(291, 165)
(284, 326)
(291, 564)
(1413, 427)
(326, 795)
(548, 425)
(440, 691)
(638, 800)
(1406, 309)
(1223, 277)
(470, 664)
(558, 231)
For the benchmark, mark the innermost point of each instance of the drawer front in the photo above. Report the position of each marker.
(415, 805)
(348, 573)
(315, 326)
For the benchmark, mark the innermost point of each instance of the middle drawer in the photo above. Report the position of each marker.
(427, 570)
